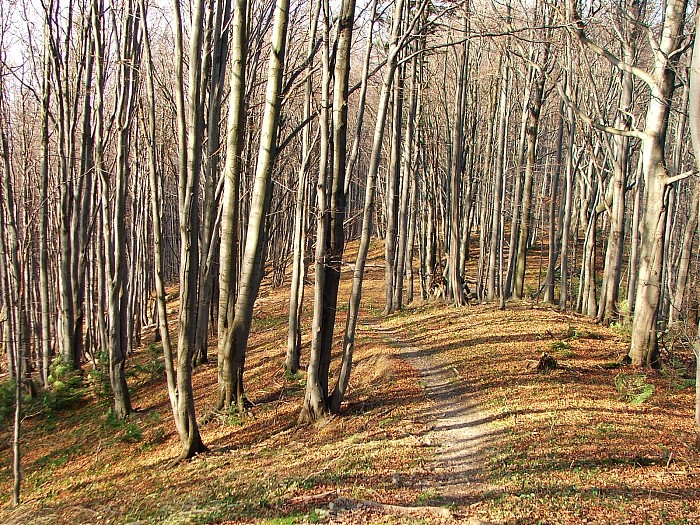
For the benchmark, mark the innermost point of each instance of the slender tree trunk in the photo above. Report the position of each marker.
(531, 132)
(112, 220)
(218, 36)
(316, 397)
(228, 252)
(455, 292)
(644, 344)
(553, 248)
(566, 244)
(16, 309)
(253, 261)
(407, 169)
(685, 256)
(634, 241)
(694, 126)
(368, 210)
(392, 194)
(296, 294)
(497, 205)
(44, 221)
(189, 133)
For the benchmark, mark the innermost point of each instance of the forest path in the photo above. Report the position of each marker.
(461, 432)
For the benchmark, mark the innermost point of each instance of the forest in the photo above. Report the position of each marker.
(203, 201)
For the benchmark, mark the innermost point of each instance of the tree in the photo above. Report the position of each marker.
(189, 133)
(253, 261)
(228, 252)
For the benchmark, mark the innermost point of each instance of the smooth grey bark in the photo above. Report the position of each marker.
(391, 205)
(395, 44)
(215, 68)
(113, 217)
(534, 108)
(44, 221)
(181, 424)
(83, 188)
(16, 309)
(644, 343)
(60, 58)
(253, 261)
(492, 281)
(685, 256)
(407, 176)
(189, 140)
(566, 244)
(228, 251)
(296, 294)
(315, 404)
(455, 292)
(616, 240)
(553, 248)
(673, 278)
(516, 200)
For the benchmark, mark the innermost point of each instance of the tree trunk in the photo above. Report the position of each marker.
(455, 292)
(296, 294)
(189, 131)
(533, 121)
(253, 261)
(498, 174)
(113, 219)
(407, 177)
(367, 216)
(644, 344)
(392, 195)
(228, 251)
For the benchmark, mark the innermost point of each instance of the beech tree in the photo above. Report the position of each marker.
(252, 263)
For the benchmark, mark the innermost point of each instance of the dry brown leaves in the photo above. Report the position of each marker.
(562, 447)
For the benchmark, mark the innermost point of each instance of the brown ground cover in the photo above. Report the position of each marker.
(558, 446)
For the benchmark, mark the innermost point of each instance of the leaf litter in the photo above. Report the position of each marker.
(443, 413)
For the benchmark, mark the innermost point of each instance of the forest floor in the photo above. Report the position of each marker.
(447, 421)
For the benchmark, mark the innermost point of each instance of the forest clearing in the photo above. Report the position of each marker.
(541, 447)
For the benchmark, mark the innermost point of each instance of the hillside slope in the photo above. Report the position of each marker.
(558, 446)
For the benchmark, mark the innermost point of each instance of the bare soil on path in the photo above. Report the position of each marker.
(461, 434)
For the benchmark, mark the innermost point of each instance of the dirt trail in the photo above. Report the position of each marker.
(461, 433)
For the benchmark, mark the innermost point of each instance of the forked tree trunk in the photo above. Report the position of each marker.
(228, 252)
(616, 239)
(113, 217)
(644, 344)
(189, 133)
(215, 64)
(315, 403)
(189, 436)
(533, 121)
(252, 264)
